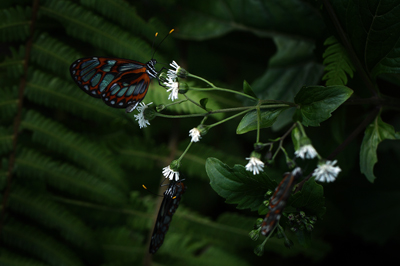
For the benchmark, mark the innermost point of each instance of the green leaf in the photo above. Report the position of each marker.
(249, 121)
(248, 90)
(337, 62)
(289, 69)
(203, 102)
(372, 27)
(310, 199)
(212, 18)
(237, 185)
(318, 102)
(375, 133)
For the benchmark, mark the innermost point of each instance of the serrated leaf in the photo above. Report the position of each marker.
(310, 199)
(375, 133)
(237, 185)
(337, 63)
(318, 102)
(249, 121)
(248, 90)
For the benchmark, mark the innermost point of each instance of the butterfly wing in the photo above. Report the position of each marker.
(172, 197)
(121, 83)
(278, 201)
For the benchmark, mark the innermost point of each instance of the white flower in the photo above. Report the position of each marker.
(255, 165)
(195, 134)
(178, 72)
(169, 173)
(173, 88)
(140, 117)
(176, 66)
(306, 151)
(327, 172)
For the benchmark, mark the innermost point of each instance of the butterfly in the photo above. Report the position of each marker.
(278, 201)
(121, 83)
(172, 197)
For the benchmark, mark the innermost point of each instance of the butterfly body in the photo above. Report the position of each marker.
(169, 204)
(121, 83)
(278, 201)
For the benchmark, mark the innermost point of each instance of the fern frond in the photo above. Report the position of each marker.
(81, 150)
(52, 215)
(121, 245)
(8, 103)
(86, 26)
(38, 243)
(144, 153)
(337, 62)
(54, 93)
(53, 55)
(9, 258)
(14, 23)
(31, 165)
(6, 138)
(14, 64)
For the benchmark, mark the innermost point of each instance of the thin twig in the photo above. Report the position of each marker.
(17, 120)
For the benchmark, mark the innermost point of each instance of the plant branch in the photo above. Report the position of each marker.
(18, 117)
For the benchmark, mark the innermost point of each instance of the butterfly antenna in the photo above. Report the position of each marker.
(171, 31)
(151, 191)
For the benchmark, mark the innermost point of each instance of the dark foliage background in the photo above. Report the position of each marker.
(72, 167)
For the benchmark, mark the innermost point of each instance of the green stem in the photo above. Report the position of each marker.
(225, 90)
(178, 102)
(183, 154)
(180, 116)
(198, 105)
(258, 124)
(200, 78)
(246, 108)
(229, 118)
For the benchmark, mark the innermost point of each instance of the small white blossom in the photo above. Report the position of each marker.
(327, 172)
(173, 88)
(195, 134)
(306, 151)
(169, 173)
(176, 66)
(140, 117)
(177, 71)
(255, 165)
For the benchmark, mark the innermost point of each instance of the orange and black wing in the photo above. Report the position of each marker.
(121, 83)
(278, 201)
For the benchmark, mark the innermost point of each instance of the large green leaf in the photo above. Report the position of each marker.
(318, 102)
(237, 185)
(375, 133)
(212, 18)
(373, 29)
(292, 67)
(249, 121)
